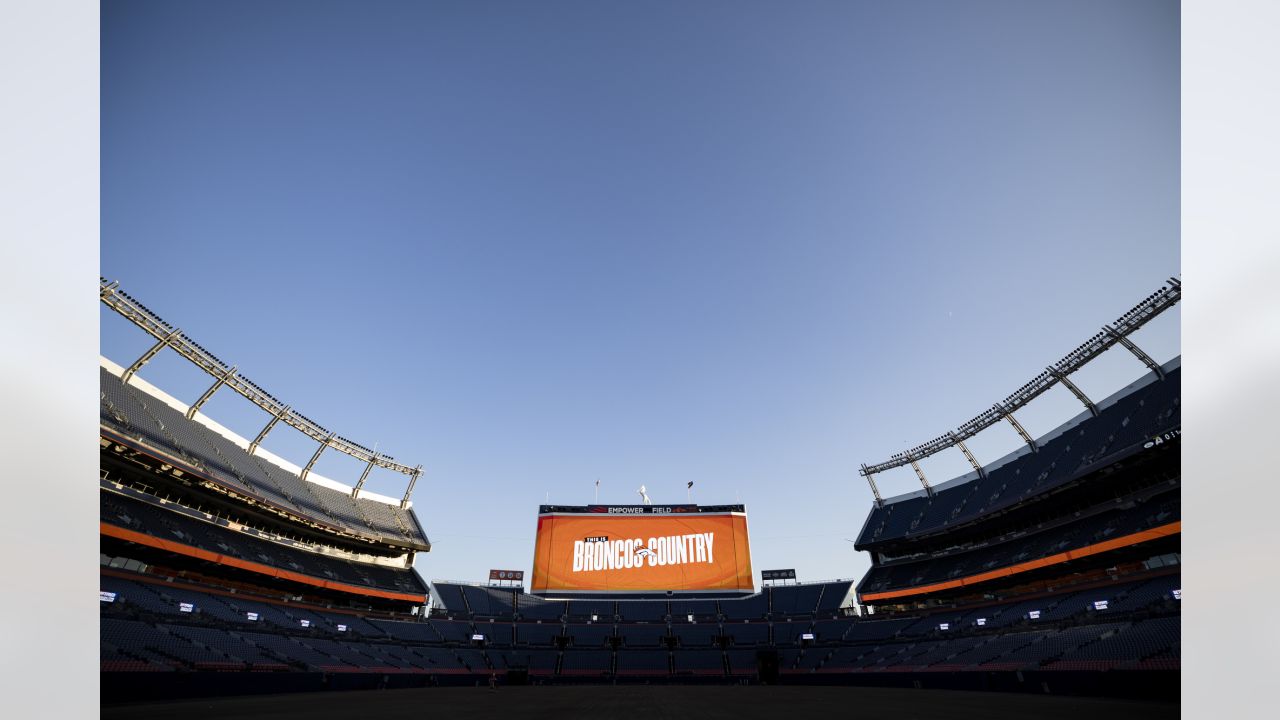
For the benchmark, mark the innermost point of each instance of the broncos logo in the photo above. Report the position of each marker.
(643, 552)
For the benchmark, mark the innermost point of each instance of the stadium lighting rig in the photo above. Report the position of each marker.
(228, 376)
(1110, 336)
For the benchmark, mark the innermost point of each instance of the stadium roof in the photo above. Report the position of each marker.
(1110, 335)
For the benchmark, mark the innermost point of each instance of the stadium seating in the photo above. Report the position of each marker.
(537, 633)
(698, 662)
(746, 634)
(699, 609)
(589, 636)
(642, 635)
(171, 523)
(145, 631)
(587, 662)
(703, 635)
(135, 414)
(531, 607)
(644, 611)
(1106, 525)
(644, 662)
(489, 602)
(1148, 410)
(754, 607)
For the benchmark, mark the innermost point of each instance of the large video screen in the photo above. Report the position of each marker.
(641, 549)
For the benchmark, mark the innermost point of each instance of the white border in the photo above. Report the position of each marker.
(1231, 341)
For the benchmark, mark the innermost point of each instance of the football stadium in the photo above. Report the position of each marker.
(237, 583)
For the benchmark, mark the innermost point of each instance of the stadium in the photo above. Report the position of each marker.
(1044, 583)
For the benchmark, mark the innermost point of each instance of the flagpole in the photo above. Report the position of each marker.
(597, 500)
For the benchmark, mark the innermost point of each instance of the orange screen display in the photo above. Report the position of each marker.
(642, 553)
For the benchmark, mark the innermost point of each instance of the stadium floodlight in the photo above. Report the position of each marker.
(224, 375)
(1112, 334)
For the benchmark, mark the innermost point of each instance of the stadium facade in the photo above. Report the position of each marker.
(227, 570)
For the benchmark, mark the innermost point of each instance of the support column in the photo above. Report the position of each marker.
(307, 470)
(968, 455)
(413, 479)
(1137, 351)
(1017, 426)
(871, 480)
(191, 411)
(1084, 399)
(263, 435)
(355, 491)
(146, 356)
(920, 474)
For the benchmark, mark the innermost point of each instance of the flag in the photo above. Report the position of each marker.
(690, 485)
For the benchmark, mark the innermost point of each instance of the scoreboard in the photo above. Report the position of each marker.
(601, 549)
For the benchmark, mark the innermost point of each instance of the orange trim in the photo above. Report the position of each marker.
(1172, 528)
(202, 554)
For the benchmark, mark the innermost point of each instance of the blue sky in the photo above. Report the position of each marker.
(747, 244)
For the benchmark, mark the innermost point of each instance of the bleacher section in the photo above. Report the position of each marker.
(1107, 524)
(145, 631)
(173, 524)
(133, 414)
(810, 600)
(1124, 425)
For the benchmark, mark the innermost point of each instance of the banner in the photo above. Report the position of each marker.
(590, 551)
(514, 575)
(788, 574)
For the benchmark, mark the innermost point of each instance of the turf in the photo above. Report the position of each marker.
(649, 703)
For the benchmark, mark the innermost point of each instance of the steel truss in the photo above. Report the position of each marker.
(227, 376)
(1113, 334)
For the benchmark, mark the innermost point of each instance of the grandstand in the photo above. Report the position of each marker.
(227, 570)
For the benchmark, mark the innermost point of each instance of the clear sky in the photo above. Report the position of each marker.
(747, 244)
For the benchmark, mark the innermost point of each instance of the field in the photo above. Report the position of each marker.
(649, 703)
